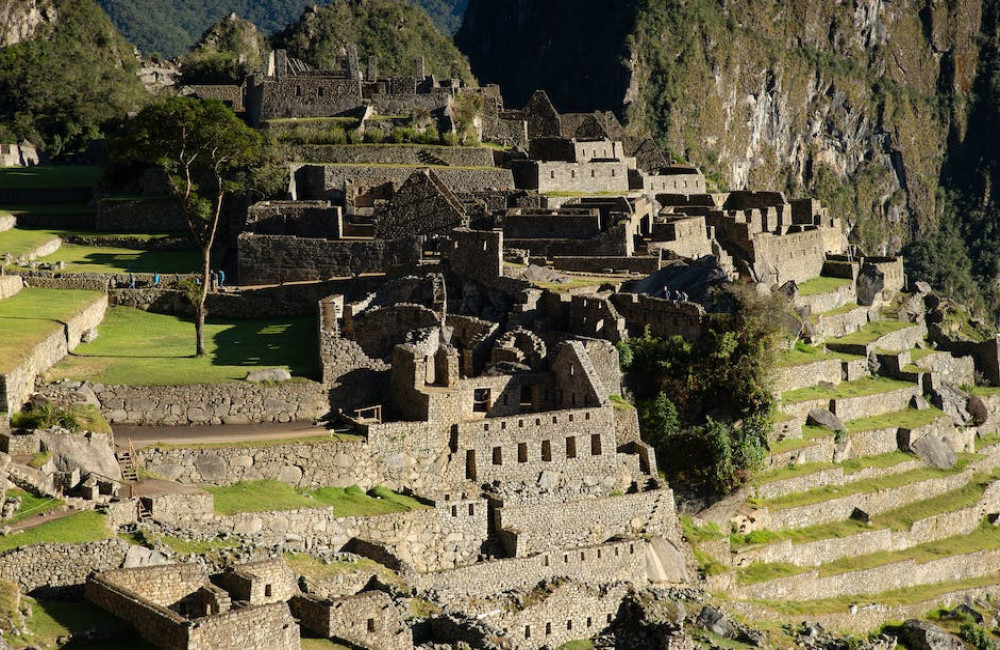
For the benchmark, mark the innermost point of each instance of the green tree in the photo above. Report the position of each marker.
(206, 152)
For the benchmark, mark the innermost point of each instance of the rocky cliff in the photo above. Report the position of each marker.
(860, 102)
(19, 19)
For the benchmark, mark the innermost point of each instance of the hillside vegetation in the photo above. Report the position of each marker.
(395, 32)
(171, 27)
(228, 51)
(65, 77)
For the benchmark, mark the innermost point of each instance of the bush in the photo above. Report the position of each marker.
(977, 636)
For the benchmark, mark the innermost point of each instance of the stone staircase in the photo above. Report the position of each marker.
(851, 519)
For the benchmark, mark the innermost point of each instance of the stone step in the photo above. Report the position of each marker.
(842, 321)
(880, 335)
(849, 400)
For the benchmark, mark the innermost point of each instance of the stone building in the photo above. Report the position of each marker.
(181, 607)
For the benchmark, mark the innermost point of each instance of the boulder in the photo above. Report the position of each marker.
(714, 621)
(789, 289)
(213, 469)
(860, 515)
(934, 452)
(138, 556)
(953, 402)
(965, 610)
(268, 374)
(89, 336)
(83, 452)
(871, 282)
(921, 287)
(978, 410)
(920, 635)
(826, 419)
(919, 403)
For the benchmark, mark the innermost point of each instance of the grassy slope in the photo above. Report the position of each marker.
(87, 526)
(27, 318)
(137, 347)
(260, 496)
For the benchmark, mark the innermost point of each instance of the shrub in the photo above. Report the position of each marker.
(976, 635)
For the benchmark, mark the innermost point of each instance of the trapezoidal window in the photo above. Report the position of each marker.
(470, 464)
(498, 455)
(595, 444)
(547, 450)
(371, 625)
(268, 591)
(522, 452)
(571, 447)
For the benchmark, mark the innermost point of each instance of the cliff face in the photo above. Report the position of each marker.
(19, 19)
(858, 102)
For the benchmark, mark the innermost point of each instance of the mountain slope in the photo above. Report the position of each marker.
(64, 72)
(395, 32)
(171, 27)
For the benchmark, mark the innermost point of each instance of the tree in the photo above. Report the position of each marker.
(205, 151)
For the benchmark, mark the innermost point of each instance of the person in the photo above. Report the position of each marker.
(222, 278)
(131, 280)
(213, 281)
(156, 278)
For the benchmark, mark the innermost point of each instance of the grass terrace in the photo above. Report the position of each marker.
(45, 177)
(984, 538)
(27, 318)
(87, 526)
(908, 419)
(142, 348)
(822, 285)
(802, 354)
(873, 332)
(52, 620)
(31, 505)
(261, 496)
(828, 492)
(852, 466)
(809, 437)
(858, 388)
(111, 259)
(71, 209)
(22, 242)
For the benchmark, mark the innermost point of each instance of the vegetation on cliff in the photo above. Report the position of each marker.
(63, 85)
(397, 33)
(705, 406)
(229, 51)
(171, 28)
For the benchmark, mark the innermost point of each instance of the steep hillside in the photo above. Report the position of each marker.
(394, 31)
(64, 72)
(171, 27)
(226, 53)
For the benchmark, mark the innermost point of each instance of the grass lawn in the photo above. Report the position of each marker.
(311, 643)
(908, 419)
(31, 505)
(820, 285)
(51, 619)
(76, 209)
(857, 388)
(873, 332)
(837, 311)
(17, 241)
(87, 526)
(31, 315)
(107, 259)
(260, 496)
(141, 348)
(802, 354)
(43, 177)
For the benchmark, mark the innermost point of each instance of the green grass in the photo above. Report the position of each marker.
(697, 534)
(620, 403)
(828, 492)
(802, 354)
(52, 209)
(39, 459)
(907, 419)
(580, 644)
(316, 569)
(852, 466)
(257, 443)
(873, 332)
(108, 259)
(142, 348)
(837, 311)
(52, 619)
(49, 178)
(78, 528)
(917, 354)
(821, 285)
(261, 496)
(18, 241)
(791, 471)
(857, 388)
(311, 643)
(31, 505)
(27, 318)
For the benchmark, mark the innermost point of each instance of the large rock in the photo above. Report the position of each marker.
(920, 635)
(871, 282)
(826, 419)
(714, 621)
(268, 374)
(934, 452)
(213, 469)
(953, 402)
(139, 556)
(978, 410)
(90, 454)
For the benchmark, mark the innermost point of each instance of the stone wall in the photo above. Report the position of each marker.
(586, 178)
(7, 221)
(477, 255)
(616, 241)
(140, 215)
(229, 403)
(613, 562)
(835, 476)
(845, 323)
(296, 218)
(537, 528)
(664, 318)
(389, 154)
(852, 408)
(371, 620)
(10, 285)
(806, 374)
(846, 294)
(274, 259)
(330, 181)
(599, 264)
(60, 565)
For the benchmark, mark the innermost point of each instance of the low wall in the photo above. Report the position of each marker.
(388, 154)
(10, 285)
(823, 302)
(843, 324)
(853, 408)
(229, 403)
(7, 221)
(805, 374)
(140, 215)
(644, 265)
(60, 565)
